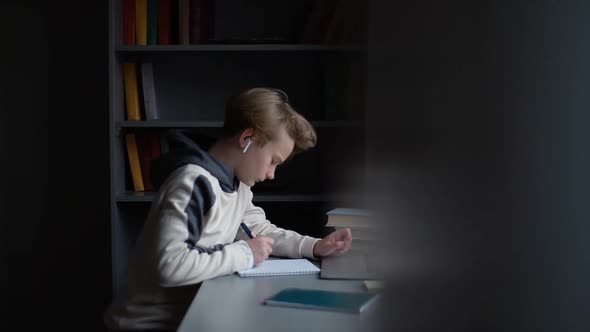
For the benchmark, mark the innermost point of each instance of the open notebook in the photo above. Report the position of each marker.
(278, 267)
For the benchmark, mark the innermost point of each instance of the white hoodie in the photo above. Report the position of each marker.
(190, 236)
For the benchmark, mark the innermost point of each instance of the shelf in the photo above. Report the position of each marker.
(237, 48)
(214, 124)
(147, 197)
(129, 196)
(168, 124)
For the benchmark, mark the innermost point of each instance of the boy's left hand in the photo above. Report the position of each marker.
(337, 242)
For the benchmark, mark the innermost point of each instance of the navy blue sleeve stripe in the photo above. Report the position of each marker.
(202, 199)
(217, 247)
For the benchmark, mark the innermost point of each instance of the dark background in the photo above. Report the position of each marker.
(478, 113)
(55, 212)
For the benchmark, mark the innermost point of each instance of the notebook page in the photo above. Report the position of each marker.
(276, 267)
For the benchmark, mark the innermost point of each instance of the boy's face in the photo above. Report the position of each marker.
(259, 162)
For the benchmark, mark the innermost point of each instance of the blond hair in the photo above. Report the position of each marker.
(266, 110)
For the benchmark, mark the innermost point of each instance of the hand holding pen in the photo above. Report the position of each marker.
(260, 245)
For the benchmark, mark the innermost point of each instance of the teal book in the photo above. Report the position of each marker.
(352, 302)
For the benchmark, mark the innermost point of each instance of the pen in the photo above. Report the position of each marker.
(247, 230)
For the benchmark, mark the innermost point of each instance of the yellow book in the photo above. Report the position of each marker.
(131, 91)
(133, 155)
(141, 22)
(184, 22)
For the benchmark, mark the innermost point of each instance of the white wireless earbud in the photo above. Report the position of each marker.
(247, 145)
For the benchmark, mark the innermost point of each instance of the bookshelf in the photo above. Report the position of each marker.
(324, 81)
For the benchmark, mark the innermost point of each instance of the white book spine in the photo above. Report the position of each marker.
(149, 91)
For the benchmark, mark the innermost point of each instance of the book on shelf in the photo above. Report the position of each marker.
(149, 149)
(129, 22)
(201, 21)
(141, 22)
(164, 22)
(183, 22)
(152, 22)
(134, 162)
(140, 92)
(147, 22)
(150, 104)
(131, 88)
(200, 18)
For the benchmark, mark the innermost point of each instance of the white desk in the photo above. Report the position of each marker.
(231, 303)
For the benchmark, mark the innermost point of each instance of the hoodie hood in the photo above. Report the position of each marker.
(185, 150)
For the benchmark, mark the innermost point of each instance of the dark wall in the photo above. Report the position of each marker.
(478, 116)
(24, 154)
(78, 159)
(55, 221)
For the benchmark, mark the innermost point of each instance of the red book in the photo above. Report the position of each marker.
(164, 21)
(155, 145)
(148, 145)
(129, 22)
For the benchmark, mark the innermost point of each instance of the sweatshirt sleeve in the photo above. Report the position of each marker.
(287, 243)
(180, 260)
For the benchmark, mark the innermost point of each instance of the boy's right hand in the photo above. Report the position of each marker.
(261, 247)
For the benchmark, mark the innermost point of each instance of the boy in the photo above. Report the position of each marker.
(203, 197)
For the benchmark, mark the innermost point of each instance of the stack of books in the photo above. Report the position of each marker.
(362, 226)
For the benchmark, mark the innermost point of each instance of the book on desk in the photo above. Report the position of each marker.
(363, 260)
(352, 302)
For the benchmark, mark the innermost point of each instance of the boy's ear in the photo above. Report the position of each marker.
(247, 133)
